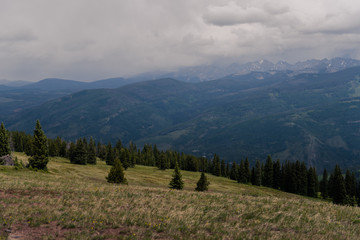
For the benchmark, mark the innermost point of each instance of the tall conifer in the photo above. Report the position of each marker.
(268, 172)
(338, 186)
(234, 171)
(110, 155)
(4, 141)
(176, 182)
(39, 158)
(91, 156)
(277, 174)
(257, 173)
(216, 165)
(324, 185)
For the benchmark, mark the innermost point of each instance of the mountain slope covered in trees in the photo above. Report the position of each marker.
(308, 117)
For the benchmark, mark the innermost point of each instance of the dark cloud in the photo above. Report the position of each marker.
(91, 39)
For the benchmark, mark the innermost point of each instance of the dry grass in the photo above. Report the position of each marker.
(76, 202)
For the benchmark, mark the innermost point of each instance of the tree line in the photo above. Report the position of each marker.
(293, 177)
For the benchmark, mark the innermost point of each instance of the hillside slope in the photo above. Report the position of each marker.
(76, 202)
(309, 117)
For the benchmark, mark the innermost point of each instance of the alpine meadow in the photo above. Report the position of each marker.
(208, 119)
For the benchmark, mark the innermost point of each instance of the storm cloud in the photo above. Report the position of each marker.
(90, 39)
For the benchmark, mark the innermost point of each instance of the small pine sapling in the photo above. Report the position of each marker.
(203, 183)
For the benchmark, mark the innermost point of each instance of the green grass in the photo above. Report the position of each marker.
(75, 202)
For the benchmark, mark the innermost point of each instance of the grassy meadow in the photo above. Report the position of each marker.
(75, 202)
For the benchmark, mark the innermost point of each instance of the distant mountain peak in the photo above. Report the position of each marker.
(215, 71)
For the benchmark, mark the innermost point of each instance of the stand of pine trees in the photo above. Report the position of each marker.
(293, 177)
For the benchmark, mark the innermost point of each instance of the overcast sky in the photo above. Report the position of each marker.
(96, 39)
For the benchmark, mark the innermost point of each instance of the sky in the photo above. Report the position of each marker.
(89, 40)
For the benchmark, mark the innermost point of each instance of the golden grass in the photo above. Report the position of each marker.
(76, 202)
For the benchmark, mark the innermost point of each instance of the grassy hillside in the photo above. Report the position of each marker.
(76, 202)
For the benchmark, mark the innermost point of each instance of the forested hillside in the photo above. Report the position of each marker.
(309, 117)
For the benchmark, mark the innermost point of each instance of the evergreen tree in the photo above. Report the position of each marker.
(216, 165)
(40, 156)
(350, 183)
(125, 158)
(53, 148)
(91, 157)
(227, 170)
(297, 171)
(4, 141)
(304, 183)
(80, 153)
(223, 168)
(71, 152)
(203, 183)
(268, 172)
(247, 170)
(119, 145)
(203, 164)
(110, 155)
(338, 186)
(257, 177)
(331, 185)
(324, 185)
(277, 174)
(241, 172)
(101, 151)
(253, 176)
(234, 171)
(157, 154)
(163, 165)
(176, 182)
(62, 150)
(116, 174)
(311, 183)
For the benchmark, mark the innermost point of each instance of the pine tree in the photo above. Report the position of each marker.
(257, 177)
(71, 152)
(241, 172)
(116, 174)
(268, 172)
(253, 176)
(247, 170)
(324, 185)
(176, 182)
(277, 174)
(91, 157)
(4, 141)
(162, 165)
(350, 183)
(222, 167)
(311, 183)
(39, 158)
(303, 181)
(110, 155)
(216, 165)
(62, 150)
(203, 183)
(125, 157)
(80, 153)
(101, 151)
(338, 186)
(234, 171)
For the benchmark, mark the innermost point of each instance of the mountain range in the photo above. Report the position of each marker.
(216, 71)
(312, 117)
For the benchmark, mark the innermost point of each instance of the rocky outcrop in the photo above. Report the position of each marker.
(6, 160)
